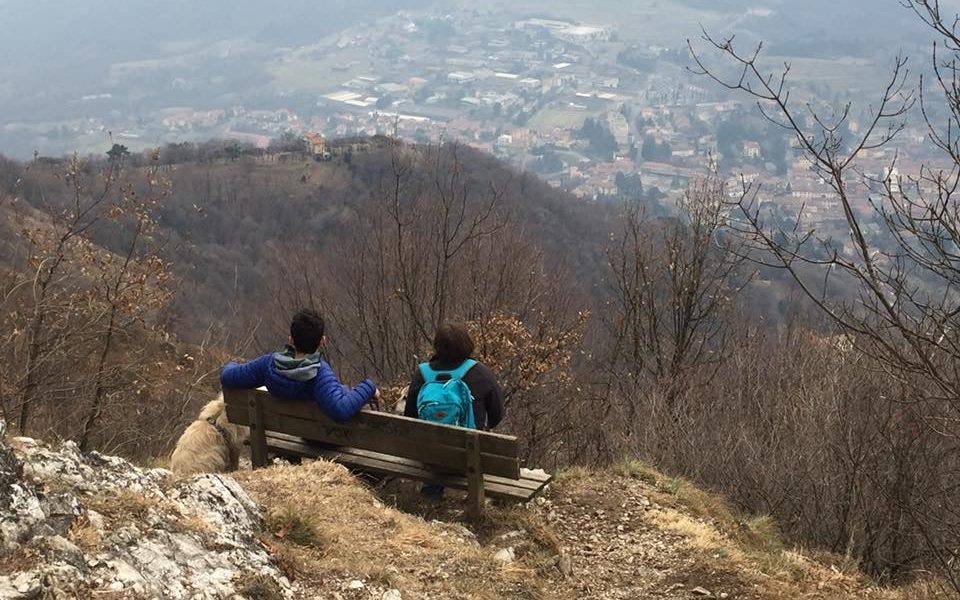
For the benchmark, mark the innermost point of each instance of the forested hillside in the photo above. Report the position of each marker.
(127, 282)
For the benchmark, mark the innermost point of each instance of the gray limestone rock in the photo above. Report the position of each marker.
(148, 534)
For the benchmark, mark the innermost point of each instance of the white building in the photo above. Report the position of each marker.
(461, 77)
(579, 34)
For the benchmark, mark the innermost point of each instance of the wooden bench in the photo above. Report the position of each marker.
(483, 463)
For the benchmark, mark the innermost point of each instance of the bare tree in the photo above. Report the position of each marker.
(128, 287)
(49, 259)
(414, 245)
(903, 276)
(672, 282)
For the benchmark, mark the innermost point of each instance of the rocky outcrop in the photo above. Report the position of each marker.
(73, 524)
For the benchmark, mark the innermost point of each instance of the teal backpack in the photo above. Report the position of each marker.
(445, 398)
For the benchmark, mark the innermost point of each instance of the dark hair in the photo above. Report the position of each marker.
(452, 343)
(306, 329)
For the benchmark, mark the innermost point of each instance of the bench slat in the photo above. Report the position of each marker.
(389, 465)
(330, 432)
(411, 429)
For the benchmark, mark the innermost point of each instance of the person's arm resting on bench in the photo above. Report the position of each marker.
(338, 401)
(248, 375)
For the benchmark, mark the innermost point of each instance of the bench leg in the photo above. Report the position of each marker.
(258, 437)
(474, 477)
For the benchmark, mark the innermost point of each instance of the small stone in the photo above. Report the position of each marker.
(699, 591)
(724, 595)
(96, 520)
(392, 595)
(505, 556)
(565, 564)
(116, 586)
(356, 584)
(516, 533)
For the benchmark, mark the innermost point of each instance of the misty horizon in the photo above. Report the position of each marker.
(118, 64)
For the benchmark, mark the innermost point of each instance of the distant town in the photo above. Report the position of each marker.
(542, 94)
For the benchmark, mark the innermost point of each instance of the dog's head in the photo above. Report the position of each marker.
(215, 412)
(401, 400)
(239, 433)
(212, 409)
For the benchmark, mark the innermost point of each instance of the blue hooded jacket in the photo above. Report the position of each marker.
(300, 378)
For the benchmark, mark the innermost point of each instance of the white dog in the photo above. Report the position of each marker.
(401, 403)
(211, 444)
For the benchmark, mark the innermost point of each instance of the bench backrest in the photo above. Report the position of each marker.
(441, 446)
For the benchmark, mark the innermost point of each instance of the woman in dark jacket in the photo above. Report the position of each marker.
(452, 345)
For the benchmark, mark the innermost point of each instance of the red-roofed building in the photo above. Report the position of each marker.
(316, 143)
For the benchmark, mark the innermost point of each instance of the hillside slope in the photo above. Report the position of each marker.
(624, 533)
(228, 227)
(76, 525)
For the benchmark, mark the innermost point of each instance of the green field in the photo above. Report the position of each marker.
(552, 118)
(841, 74)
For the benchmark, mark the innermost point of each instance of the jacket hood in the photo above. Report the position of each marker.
(287, 365)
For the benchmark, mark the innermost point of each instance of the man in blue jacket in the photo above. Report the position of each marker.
(301, 372)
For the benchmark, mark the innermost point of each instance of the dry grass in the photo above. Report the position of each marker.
(637, 469)
(756, 533)
(920, 590)
(539, 549)
(517, 517)
(18, 561)
(254, 586)
(125, 507)
(571, 473)
(319, 506)
(84, 535)
(194, 523)
(755, 557)
(154, 462)
(292, 526)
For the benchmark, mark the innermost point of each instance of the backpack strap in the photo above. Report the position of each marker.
(430, 374)
(461, 371)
